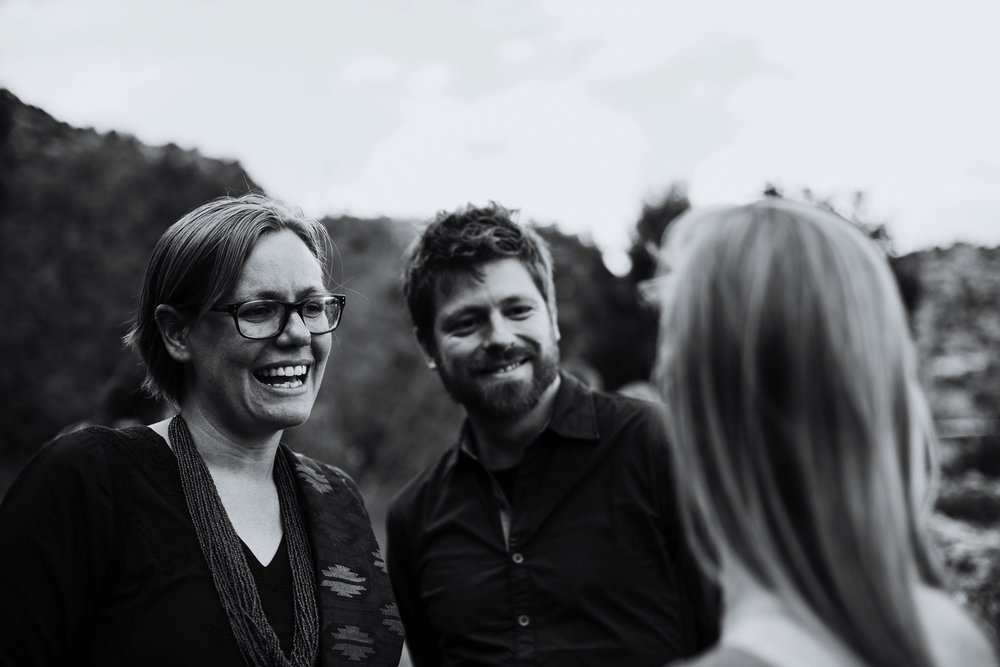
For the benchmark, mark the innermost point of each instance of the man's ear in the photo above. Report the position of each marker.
(174, 331)
(554, 318)
(428, 348)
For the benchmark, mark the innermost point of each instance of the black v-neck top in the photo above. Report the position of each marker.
(97, 546)
(274, 586)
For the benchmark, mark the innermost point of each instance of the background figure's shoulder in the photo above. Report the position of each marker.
(84, 460)
(640, 390)
(79, 452)
(955, 638)
(722, 657)
(644, 419)
(632, 400)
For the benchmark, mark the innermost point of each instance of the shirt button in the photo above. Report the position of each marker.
(523, 620)
(517, 558)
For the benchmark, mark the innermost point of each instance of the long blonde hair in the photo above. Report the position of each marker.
(802, 439)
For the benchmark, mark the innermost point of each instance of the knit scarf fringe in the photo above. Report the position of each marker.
(234, 582)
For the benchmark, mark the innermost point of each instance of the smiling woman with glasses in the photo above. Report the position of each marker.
(202, 539)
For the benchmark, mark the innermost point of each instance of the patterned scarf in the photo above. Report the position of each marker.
(257, 641)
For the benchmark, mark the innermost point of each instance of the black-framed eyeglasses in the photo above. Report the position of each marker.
(267, 318)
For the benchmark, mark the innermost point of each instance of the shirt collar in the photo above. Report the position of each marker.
(573, 416)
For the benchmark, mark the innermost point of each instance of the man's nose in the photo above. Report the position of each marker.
(501, 332)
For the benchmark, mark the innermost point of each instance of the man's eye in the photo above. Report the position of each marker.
(463, 326)
(519, 311)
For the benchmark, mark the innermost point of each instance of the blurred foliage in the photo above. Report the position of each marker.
(603, 321)
(648, 233)
(977, 506)
(966, 524)
(958, 333)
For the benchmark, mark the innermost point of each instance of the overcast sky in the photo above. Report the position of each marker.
(574, 111)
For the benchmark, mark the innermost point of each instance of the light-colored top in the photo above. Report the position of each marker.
(759, 631)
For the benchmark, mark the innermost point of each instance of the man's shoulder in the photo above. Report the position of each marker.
(616, 410)
(628, 403)
(422, 487)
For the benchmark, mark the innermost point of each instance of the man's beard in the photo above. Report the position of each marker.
(500, 399)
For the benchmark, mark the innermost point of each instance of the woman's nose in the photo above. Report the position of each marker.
(295, 331)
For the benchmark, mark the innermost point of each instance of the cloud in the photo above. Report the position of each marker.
(517, 52)
(546, 148)
(429, 78)
(571, 109)
(371, 70)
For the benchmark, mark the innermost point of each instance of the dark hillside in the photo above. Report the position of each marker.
(79, 214)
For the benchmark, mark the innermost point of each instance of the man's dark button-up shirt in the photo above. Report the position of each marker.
(586, 565)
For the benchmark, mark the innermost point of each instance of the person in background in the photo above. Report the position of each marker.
(796, 414)
(580, 369)
(201, 539)
(545, 535)
(123, 402)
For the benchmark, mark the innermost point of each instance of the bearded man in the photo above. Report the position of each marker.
(549, 533)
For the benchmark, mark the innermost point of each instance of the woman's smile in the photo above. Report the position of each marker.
(283, 377)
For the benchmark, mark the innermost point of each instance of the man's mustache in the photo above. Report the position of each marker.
(490, 359)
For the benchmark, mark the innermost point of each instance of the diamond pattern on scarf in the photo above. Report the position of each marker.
(392, 620)
(354, 643)
(314, 478)
(380, 560)
(349, 583)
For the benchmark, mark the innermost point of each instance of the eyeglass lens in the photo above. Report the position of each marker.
(263, 319)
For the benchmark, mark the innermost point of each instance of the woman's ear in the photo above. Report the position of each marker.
(174, 330)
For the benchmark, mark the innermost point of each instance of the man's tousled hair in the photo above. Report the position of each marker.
(460, 242)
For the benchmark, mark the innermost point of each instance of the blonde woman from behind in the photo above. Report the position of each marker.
(805, 443)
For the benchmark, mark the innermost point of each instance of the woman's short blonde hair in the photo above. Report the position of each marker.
(800, 431)
(198, 261)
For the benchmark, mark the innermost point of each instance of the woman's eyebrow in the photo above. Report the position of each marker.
(273, 295)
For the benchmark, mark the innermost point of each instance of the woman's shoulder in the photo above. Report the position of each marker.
(723, 656)
(322, 478)
(954, 637)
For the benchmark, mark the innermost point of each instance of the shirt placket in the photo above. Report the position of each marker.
(521, 587)
(503, 508)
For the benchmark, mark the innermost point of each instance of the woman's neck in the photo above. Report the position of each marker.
(223, 453)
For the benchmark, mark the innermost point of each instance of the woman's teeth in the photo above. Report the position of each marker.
(285, 377)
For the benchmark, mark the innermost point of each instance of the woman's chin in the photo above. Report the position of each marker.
(290, 412)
